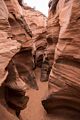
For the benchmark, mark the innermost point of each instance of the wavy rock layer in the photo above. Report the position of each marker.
(8, 48)
(67, 53)
(64, 79)
(19, 27)
(17, 64)
(37, 23)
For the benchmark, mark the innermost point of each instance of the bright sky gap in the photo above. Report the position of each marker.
(41, 5)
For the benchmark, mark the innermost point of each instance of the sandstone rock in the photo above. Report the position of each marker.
(20, 2)
(66, 52)
(37, 23)
(24, 64)
(35, 19)
(5, 115)
(39, 45)
(64, 79)
(52, 38)
(19, 27)
(8, 48)
(19, 79)
(21, 32)
(47, 59)
(14, 93)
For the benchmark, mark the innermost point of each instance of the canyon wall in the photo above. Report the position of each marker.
(7, 46)
(26, 43)
(35, 19)
(37, 23)
(64, 84)
(18, 38)
(19, 27)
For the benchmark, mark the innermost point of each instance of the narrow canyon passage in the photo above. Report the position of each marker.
(40, 56)
(35, 110)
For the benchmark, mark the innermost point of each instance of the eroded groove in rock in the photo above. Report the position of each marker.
(27, 43)
(64, 79)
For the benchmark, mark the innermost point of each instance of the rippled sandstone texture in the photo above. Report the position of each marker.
(64, 79)
(20, 68)
(19, 27)
(62, 50)
(20, 65)
(52, 32)
(20, 18)
(37, 23)
(8, 48)
(22, 33)
(35, 19)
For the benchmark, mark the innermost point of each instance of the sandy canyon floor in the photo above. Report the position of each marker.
(35, 110)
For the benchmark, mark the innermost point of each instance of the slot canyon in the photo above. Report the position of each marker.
(40, 61)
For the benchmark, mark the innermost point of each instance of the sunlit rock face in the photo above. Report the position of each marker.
(64, 30)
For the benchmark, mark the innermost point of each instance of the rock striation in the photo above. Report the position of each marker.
(34, 18)
(47, 59)
(64, 83)
(19, 27)
(21, 32)
(8, 48)
(52, 32)
(16, 56)
(20, 68)
(37, 23)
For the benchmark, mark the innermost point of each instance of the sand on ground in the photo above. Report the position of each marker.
(35, 110)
